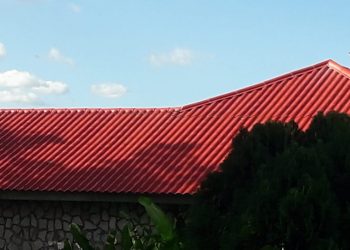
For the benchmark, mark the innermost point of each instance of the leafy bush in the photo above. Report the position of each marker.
(279, 188)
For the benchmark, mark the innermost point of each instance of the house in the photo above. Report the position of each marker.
(59, 166)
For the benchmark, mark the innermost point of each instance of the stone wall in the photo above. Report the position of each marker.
(45, 225)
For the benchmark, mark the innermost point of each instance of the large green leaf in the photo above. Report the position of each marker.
(126, 240)
(138, 244)
(80, 238)
(67, 245)
(159, 218)
(110, 242)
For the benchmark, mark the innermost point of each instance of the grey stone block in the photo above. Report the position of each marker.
(89, 235)
(25, 222)
(16, 229)
(112, 223)
(67, 217)
(33, 233)
(26, 246)
(38, 244)
(15, 219)
(58, 224)
(8, 223)
(8, 234)
(42, 235)
(96, 235)
(50, 225)
(33, 221)
(17, 240)
(26, 233)
(60, 245)
(60, 235)
(77, 221)
(103, 237)
(89, 226)
(50, 236)
(122, 223)
(42, 223)
(95, 218)
(66, 226)
(12, 246)
(104, 226)
(69, 236)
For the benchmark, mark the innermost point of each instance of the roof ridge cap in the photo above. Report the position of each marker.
(340, 68)
(263, 83)
(85, 109)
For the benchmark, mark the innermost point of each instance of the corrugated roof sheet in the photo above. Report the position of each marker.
(159, 151)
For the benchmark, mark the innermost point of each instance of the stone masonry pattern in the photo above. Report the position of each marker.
(34, 225)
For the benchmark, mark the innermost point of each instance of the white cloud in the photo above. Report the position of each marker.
(15, 79)
(2, 50)
(109, 90)
(18, 96)
(74, 7)
(177, 56)
(23, 87)
(56, 56)
(50, 87)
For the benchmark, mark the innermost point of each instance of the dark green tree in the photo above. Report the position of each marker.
(279, 188)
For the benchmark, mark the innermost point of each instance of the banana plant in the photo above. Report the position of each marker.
(164, 238)
(164, 226)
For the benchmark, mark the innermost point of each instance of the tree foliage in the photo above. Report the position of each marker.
(279, 188)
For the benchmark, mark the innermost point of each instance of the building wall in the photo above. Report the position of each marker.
(45, 224)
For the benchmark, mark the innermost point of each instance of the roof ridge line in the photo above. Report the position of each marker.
(328, 62)
(85, 109)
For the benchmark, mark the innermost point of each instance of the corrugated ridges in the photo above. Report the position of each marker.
(161, 151)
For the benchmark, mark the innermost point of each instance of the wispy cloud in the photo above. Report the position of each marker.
(109, 90)
(24, 87)
(177, 56)
(74, 7)
(56, 56)
(2, 50)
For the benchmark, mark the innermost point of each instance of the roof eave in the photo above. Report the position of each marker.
(94, 197)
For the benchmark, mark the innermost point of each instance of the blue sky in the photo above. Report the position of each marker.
(156, 53)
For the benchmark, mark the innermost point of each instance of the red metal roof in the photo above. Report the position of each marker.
(159, 151)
